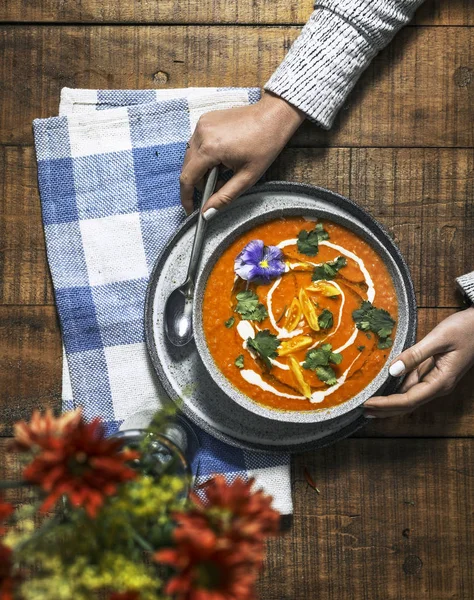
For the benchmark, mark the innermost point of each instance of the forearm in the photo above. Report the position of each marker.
(333, 49)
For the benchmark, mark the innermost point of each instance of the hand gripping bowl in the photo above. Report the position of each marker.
(277, 200)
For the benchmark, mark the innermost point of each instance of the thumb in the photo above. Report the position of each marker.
(413, 357)
(237, 185)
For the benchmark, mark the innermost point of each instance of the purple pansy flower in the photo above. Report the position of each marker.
(258, 262)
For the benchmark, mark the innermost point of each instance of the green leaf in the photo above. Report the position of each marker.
(239, 361)
(325, 319)
(361, 348)
(327, 375)
(308, 241)
(230, 322)
(385, 343)
(329, 269)
(249, 307)
(335, 358)
(265, 344)
(321, 357)
(377, 320)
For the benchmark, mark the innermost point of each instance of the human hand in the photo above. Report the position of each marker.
(434, 366)
(246, 139)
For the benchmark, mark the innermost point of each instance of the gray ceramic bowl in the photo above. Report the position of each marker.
(329, 209)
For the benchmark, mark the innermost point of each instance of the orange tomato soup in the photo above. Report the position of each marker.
(295, 305)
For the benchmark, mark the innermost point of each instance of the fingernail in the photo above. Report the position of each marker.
(397, 368)
(210, 212)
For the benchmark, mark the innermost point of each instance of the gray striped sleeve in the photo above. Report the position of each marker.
(333, 49)
(466, 285)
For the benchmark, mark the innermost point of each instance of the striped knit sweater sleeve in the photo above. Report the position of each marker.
(334, 48)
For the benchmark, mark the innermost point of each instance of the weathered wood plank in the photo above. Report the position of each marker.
(30, 377)
(423, 196)
(436, 12)
(24, 276)
(30, 362)
(393, 521)
(413, 94)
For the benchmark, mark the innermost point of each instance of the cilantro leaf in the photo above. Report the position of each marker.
(308, 241)
(249, 307)
(361, 348)
(329, 269)
(327, 375)
(325, 319)
(265, 345)
(385, 343)
(377, 320)
(239, 361)
(230, 322)
(321, 357)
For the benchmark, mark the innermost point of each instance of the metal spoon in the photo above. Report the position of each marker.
(179, 306)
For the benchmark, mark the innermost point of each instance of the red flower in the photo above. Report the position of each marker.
(253, 515)
(42, 430)
(7, 580)
(209, 568)
(130, 595)
(6, 509)
(219, 545)
(73, 458)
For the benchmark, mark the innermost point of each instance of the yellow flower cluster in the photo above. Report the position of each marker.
(81, 579)
(144, 498)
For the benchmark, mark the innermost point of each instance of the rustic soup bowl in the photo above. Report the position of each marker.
(273, 201)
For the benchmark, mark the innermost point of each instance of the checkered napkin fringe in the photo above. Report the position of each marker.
(108, 171)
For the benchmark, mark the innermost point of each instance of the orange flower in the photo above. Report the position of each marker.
(253, 515)
(6, 509)
(209, 568)
(219, 545)
(42, 430)
(7, 580)
(76, 460)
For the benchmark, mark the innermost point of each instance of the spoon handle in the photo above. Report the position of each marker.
(200, 230)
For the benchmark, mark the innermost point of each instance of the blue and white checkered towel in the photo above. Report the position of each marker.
(108, 170)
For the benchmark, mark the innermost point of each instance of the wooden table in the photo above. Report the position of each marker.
(393, 520)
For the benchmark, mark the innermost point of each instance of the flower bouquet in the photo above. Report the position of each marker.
(103, 522)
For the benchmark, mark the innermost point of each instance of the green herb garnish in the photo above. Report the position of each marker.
(308, 241)
(249, 307)
(361, 348)
(327, 375)
(239, 361)
(319, 360)
(329, 269)
(378, 320)
(230, 322)
(325, 319)
(265, 345)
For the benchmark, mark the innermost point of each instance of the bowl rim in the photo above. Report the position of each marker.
(391, 255)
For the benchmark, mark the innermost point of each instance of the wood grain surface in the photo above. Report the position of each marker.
(433, 12)
(393, 521)
(414, 94)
